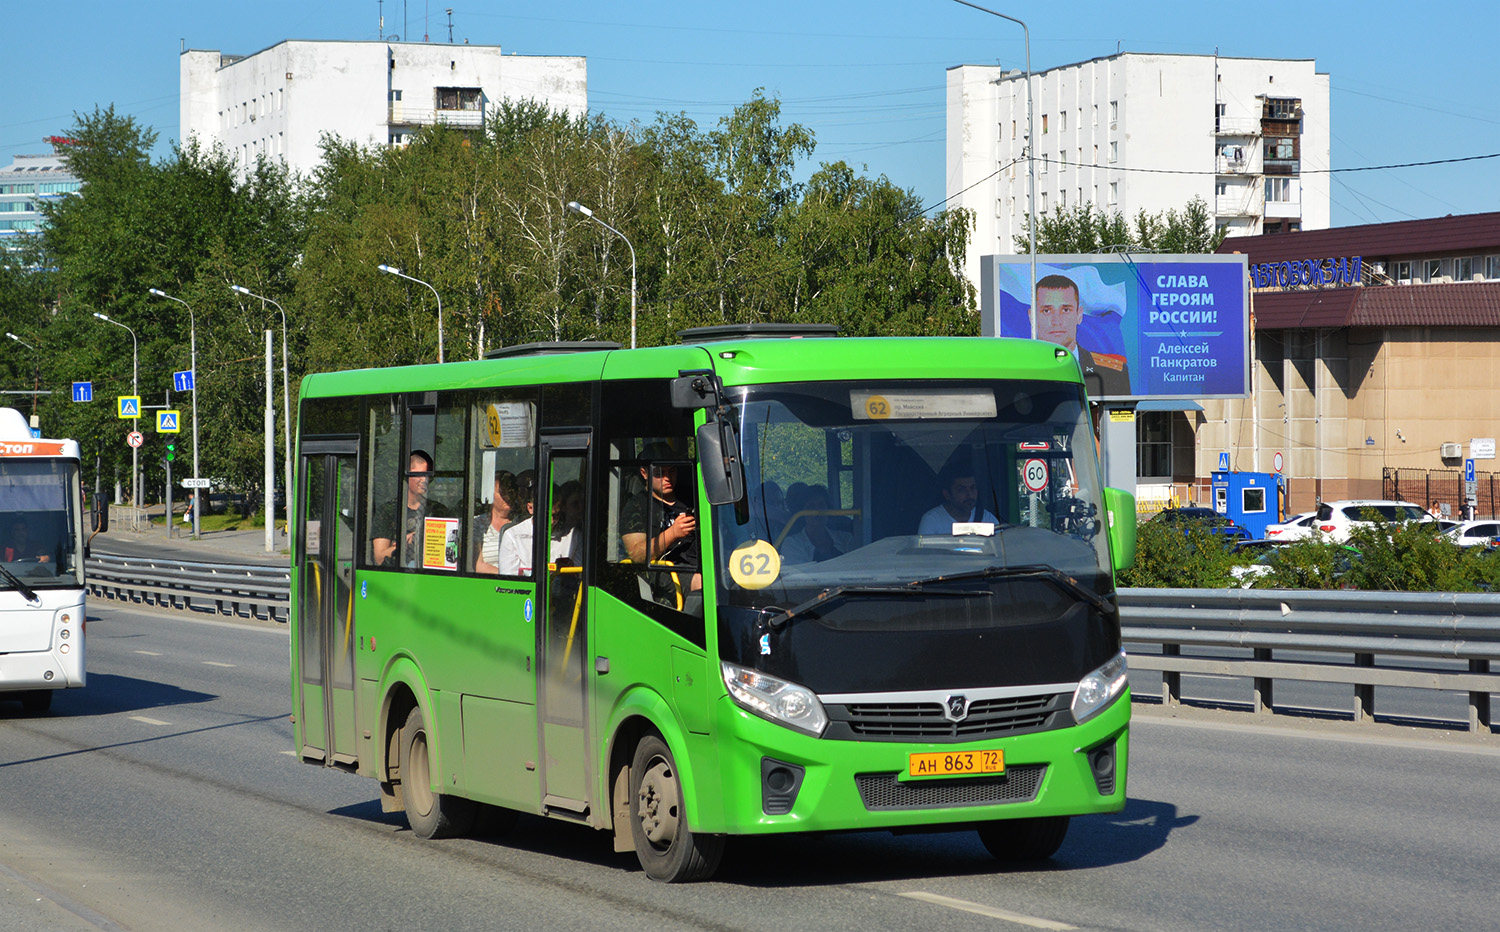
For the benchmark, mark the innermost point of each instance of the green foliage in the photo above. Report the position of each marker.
(1087, 229)
(1178, 556)
(1413, 557)
(1308, 564)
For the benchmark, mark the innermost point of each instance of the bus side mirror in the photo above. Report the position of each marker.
(99, 516)
(1119, 511)
(719, 458)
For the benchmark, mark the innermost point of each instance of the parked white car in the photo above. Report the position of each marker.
(1295, 528)
(1474, 533)
(1346, 515)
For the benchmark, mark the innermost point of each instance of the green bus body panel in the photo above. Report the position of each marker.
(738, 362)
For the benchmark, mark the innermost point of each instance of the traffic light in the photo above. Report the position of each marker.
(171, 451)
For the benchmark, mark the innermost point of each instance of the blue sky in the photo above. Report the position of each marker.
(1409, 83)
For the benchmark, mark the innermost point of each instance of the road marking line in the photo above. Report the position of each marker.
(215, 663)
(290, 753)
(990, 911)
(148, 721)
(149, 653)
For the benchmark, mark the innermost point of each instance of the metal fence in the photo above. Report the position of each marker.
(241, 590)
(1425, 486)
(1381, 631)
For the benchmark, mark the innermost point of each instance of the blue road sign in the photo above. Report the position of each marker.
(1469, 471)
(1224, 462)
(83, 391)
(182, 381)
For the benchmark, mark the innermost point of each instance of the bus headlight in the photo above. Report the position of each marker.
(775, 699)
(1099, 688)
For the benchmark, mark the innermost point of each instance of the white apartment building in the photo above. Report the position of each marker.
(1134, 132)
(280, 101)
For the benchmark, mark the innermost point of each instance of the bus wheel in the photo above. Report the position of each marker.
(668, 849)
(1024, 839)
(36, 701)
(430, 815)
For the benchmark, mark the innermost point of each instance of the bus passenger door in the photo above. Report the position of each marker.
(325, 604)
(563, 649)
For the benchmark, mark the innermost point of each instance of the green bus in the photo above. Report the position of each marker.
(765, 581)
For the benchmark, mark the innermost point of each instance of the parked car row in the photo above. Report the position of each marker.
(1334, 520)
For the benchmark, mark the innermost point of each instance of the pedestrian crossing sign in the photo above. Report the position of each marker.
(167, 422)
(128, 405)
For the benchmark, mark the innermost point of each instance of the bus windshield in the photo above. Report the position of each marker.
(38, 523)
(908, 512)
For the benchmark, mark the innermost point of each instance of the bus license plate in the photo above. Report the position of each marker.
(957, 763)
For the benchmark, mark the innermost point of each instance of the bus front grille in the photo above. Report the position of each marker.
(883, 791)
(925, 721)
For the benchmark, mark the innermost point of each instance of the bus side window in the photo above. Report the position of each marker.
(502, 476)
(384, 477)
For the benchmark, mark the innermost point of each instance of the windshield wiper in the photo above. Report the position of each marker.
(1029, 571)
(26, 591)
(837, 593)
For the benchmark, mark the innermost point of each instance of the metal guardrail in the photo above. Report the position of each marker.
(1383, 631)
(240, 590)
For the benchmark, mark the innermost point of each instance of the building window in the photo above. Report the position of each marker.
(1013, 129)
(1221, 188)
(1280, 190)
(458, 98)
(1062, 121)
(1401, 272)
(1281, 108)
(1463, 269)
(1153, 444)
(1492, 267)
(1044, 124)
(1044, 202)
(1062, 199)
(1432, 270)
(1096, 114)
(1114, 111)
(1114, 150)
(1045, 162)
(1114, 193)
(1281, 147)
(395, 96)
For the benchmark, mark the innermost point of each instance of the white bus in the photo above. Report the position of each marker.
(41, 565)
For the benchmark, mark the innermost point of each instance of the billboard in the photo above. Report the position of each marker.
(1153, 326)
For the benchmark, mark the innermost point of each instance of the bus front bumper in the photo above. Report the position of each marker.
(775, 779)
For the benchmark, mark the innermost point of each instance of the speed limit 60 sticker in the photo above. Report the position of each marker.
(1034, 472)
(754, 565)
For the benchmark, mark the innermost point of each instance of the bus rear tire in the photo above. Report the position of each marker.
(430, 814)
(667, 848)
(1024, 839)
(36, 701)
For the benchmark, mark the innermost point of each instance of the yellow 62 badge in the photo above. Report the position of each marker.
(754, 565)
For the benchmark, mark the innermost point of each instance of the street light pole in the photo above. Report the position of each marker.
(391, 270)
(1030, 153)
(578, 208)
(193, 365)
(36, 372)
(286, 416)
(135, 389)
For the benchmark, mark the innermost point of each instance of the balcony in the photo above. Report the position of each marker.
(401, 115)
(1283, 166)
(1237, 126)
(1241, 205)
(1229, 166)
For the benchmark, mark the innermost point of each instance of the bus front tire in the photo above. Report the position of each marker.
(667, 848)
(1024, 839)
(430, 814)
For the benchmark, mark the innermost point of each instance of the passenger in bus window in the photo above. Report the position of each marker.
(516, 546)
(674, 538)
(19, 547)
(960, 491)
(391, 527)
(490, 526)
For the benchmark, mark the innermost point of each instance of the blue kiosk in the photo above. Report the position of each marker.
(1252, 500)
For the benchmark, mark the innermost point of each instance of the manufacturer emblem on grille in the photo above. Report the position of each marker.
(957, 708)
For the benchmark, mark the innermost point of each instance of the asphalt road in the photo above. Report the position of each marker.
(165, 797)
